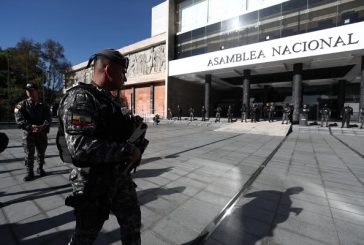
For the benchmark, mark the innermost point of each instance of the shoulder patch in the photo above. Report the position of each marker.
(18, 106)
(81, 120)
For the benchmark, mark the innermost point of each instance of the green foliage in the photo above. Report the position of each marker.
(41, 63)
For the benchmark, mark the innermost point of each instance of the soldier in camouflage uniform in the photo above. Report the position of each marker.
(34, 117)
(325, 115)
(346, 114)
(361, 117)
(96, 131)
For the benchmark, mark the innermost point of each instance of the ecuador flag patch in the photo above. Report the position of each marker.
(81, 120)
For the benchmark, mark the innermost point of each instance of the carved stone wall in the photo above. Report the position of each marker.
(152, 60)
(145, 62)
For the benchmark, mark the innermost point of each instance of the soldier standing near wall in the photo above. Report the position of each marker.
(346, 114)
(203, 113)
(286, 113)
(271, 112)
(244, 113)
(254, 113)
(179, 112)
(34, 117)
(361, 115)
(218, 114)
(325, 115)
(230, 114)
(192, 116)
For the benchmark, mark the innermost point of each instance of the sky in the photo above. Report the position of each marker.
(82, 26)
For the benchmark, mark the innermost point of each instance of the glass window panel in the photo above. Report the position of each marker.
(350, 11)
(314, 3)
(231, 24)
(270, 12)
(192, 14)
(249, 19)
(213, 29)
(293, 6)
(322, 17)
(270, 30)
(294, 24)
(213, 43)
(223, 9)
(230, 40)
(249, 35)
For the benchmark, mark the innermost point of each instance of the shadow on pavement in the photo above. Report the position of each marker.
(22, 159)
(9, 171)
(152, 194)
(147, 173)
(36, 194)
(257, 219)
(34, 228)
(151, 159)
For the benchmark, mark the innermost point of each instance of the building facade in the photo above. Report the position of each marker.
(250, 51)
(258, 51)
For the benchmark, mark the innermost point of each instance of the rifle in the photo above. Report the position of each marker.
(138, 139)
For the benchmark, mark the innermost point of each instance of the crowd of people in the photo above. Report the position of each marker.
(269, 112)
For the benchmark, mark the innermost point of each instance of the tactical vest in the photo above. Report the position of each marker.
(112, 124)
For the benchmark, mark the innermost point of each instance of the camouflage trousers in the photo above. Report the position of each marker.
(91, 215)
(32, 142)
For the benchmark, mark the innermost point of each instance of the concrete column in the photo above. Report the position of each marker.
(151, 92)
(341, 97)
(297, 90)
(207, 94)
(362, 83)
(246, 89)
(132, 99)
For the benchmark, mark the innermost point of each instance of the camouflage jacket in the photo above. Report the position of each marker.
(96, 130)
(28, 113)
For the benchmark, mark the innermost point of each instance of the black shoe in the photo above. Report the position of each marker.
(29, 177)
(41, 172)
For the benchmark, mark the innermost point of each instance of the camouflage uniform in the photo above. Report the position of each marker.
(361, 116)
(286, 114)
(28, 113)
(346, 114)
(96, 130)
(325, 115)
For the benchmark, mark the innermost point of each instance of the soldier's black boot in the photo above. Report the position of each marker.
(40, 169)
(30, 174)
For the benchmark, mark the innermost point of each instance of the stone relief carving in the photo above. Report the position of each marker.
(149, 61)
(146, 62)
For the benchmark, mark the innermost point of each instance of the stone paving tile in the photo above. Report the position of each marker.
(180, 194)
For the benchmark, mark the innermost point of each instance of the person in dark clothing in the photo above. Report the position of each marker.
(230, 114)
(218, 114)
(286, 114)
(179, 111)
(271, 112)
(244, 113)
(254, 113)
(97, 133)
(34, 117)
(169, 114)
(192, 116)
(361, 117)
(346, 114)
(203, 113)
(325, 115)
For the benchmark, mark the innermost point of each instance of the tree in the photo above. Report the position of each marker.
(41, 63)
(55, 65)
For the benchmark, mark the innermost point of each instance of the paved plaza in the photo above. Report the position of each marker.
(209, 181)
